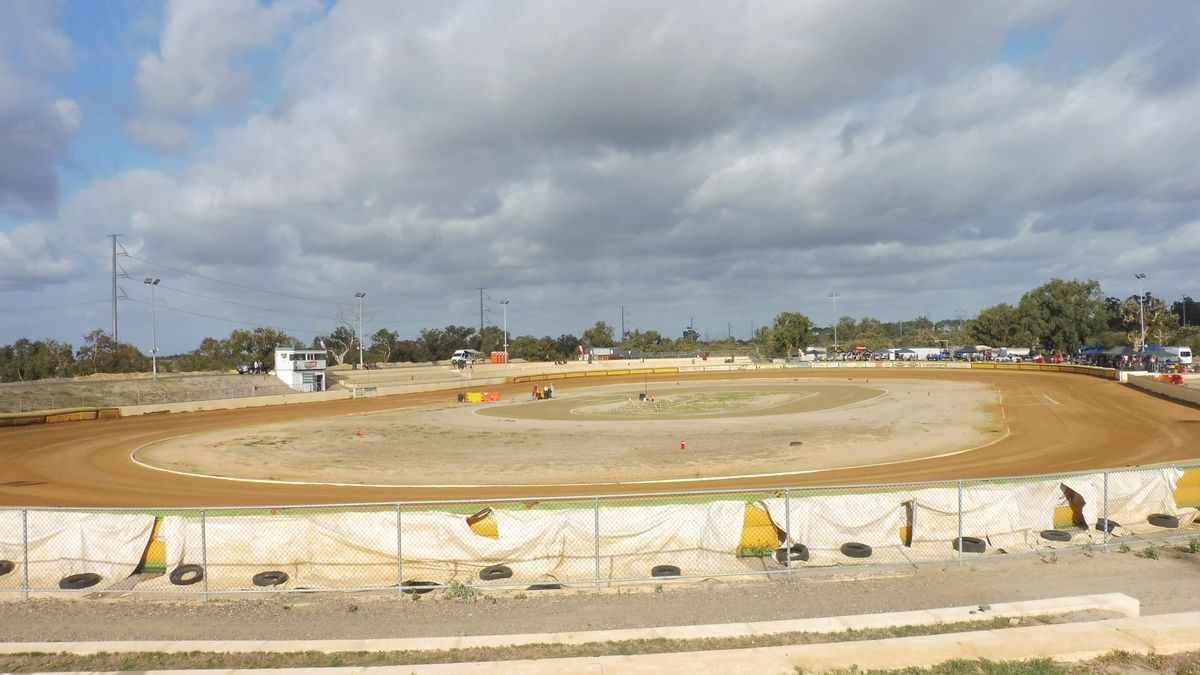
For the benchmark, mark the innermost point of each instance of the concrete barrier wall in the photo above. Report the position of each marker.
(233, 403)
(1175, 391)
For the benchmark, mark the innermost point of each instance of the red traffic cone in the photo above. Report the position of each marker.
(358, 432)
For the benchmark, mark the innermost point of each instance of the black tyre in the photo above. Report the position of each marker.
(665, 571)
(77, 581)
(797, 553)
(1106, 525)
(495, 572)
(546, 586)
(272, 578)
(6, 566)
(413, 587)
(186, 575)
(970, 544)
(1056, 535)
(854, 549)
(1163, 520)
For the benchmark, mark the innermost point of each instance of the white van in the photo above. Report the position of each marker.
(463, 357)
(1184, 354)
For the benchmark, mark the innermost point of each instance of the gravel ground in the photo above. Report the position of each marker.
(1164, 584)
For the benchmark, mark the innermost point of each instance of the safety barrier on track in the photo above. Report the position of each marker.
(518, 379)
(588, 541)
(57, 416)
(1094, 371)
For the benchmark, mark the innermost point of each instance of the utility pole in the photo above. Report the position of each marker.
(114, 286)
(622, 323)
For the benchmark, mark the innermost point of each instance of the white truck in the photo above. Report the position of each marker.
(465, 357)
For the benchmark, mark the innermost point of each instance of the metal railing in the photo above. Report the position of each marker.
(589, 541)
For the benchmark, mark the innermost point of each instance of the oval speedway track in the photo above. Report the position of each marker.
(1057, 422)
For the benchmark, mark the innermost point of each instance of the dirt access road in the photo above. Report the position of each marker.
(1056, 422)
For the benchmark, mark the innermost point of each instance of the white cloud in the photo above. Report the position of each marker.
(36, 130)
(682, 159)
(200, 66)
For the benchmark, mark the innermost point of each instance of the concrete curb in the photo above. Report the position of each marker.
(1108, 602)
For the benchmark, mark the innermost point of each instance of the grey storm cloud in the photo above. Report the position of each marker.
(746, 157)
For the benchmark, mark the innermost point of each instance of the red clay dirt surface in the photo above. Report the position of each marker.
(1056, 422)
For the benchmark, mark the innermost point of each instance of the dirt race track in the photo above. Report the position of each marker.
(1056, 422)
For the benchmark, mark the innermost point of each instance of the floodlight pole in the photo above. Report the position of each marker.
(834, 297)
(360, 295)
(504, 306)
(152, 282)
(1141, 311)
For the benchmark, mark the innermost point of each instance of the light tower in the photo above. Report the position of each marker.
(834, 297)
(1141, 310)
(152, 282)
(504, 306)
(360, 295)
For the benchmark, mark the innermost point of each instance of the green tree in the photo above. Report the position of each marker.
(492, 339)
(384, 343)
(102, 354)
(600, 335)
(1160, 323)
(1000, 326)
(791, 333)
(1061, 315)
(690, 335)
(35, 360)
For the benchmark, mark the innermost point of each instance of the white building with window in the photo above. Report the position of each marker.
(301, 369)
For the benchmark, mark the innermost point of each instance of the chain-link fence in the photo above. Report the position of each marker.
(466, 547)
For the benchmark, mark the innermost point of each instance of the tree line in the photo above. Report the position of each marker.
(1058, 316)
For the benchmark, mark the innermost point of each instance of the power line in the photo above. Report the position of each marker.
(242, 304)
(65, 304)
(307, 331)
(235, 284)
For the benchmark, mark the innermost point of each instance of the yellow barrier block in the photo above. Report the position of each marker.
(483, 524)
(79, 416)
(474, 397)
(1187, 490)
(759, 537)
(756, 517)
(154, 558)
(1064, 517)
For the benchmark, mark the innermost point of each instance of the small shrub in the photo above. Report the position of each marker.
(658, 588)
(352, 609)
(1150, 553)
(1194, 545)
(457, 590)
(1124, 548)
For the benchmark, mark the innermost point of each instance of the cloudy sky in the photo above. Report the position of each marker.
(711, 163)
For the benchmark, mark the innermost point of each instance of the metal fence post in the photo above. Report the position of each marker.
(960, 523)
(596, 541)
(1107, 523)
(25, 550)
(787, 530)
(399, 555)
(204, 551)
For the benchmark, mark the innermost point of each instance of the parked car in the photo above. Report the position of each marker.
(253, 367)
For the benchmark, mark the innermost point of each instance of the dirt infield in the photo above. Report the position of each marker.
(627, 434)
(1056, 422)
